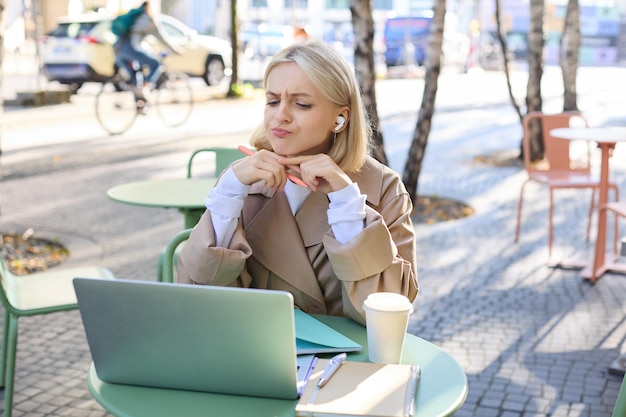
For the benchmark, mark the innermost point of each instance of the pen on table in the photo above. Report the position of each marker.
(332, 367)
(293, 178)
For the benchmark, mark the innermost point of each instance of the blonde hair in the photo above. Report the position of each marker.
(332, 77)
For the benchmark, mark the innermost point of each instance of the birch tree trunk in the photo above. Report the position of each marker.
(363, 24)
(568, 55)
(505, 57)
(234, 42)
(424, 120)
(536, 43)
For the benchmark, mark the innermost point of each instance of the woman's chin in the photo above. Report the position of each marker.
(282, 150)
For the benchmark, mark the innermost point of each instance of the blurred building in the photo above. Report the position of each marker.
(603, 22)
(600, 27)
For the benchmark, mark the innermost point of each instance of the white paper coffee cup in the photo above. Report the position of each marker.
(387, 318)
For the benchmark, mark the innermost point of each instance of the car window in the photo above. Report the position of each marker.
(73, 29)
(171, 30)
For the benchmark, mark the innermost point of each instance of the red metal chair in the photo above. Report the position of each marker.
(557, 170)
(618, 208)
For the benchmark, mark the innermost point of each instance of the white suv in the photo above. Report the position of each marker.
(80, 49)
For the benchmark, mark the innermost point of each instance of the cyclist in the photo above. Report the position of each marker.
(128, 49)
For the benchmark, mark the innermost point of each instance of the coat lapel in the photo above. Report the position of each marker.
(312, 219)
(285, 254)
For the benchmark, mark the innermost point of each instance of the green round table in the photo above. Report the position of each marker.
(185, 194)
(442, 389)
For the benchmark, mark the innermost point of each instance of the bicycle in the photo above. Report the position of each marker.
(119, 102)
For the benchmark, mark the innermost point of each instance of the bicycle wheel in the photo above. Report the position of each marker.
(116, 108)
(174, 99)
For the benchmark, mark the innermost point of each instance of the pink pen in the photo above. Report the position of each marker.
(293, 178)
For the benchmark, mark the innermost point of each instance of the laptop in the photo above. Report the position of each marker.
(193, 337)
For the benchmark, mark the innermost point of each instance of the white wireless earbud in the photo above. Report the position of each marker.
(340, 122)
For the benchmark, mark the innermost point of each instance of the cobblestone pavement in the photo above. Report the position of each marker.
(533, 340)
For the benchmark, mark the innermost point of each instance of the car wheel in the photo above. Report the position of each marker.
(74, 87)
(214, 70)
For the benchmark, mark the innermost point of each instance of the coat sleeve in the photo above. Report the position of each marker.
(201, 262)
(381, 258)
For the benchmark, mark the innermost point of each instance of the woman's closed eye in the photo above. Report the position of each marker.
(274, 103)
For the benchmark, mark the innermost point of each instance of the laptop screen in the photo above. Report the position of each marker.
(200, 338)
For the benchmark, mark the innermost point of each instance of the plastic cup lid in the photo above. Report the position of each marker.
(387, 301)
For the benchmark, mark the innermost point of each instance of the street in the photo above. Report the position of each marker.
(75, 121)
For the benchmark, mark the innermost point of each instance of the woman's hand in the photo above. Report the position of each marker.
(263, 165)
(319, 172)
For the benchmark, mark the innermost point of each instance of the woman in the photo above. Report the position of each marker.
(346, 235)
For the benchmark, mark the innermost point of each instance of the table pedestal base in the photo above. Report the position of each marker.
(609, 264)
(606, 267)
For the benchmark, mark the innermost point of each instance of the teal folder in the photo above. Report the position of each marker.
(313, 336)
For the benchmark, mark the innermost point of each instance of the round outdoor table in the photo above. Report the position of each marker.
(185, 194)
(442, 389)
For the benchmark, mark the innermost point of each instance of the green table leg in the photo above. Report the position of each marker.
(192, 217)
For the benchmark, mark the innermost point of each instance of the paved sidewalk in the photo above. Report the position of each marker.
(534, 341)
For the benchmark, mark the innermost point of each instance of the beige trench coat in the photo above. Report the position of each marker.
(272, 249)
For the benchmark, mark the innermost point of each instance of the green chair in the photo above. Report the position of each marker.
(620, 404)
(170, 255)
(44, 292)
(223, 158)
